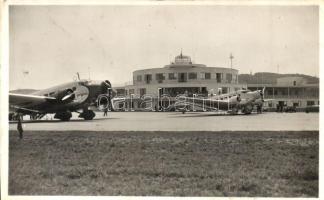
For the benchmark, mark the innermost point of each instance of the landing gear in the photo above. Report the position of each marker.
(234, 111)
(87, 114)
(259, 109)
(37, 116)
(64, 116)
(247, 109)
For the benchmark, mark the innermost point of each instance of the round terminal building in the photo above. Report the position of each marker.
(180, 77)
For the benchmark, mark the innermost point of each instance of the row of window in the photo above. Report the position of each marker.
(175, 91)
(184, 77)
(295, 104)
(293, 92)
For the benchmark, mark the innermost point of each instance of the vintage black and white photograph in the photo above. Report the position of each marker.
(193, 100)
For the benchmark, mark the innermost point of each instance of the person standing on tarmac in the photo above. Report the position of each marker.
(19, 128)
(106, 111)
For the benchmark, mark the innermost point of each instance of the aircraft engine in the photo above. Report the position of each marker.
(238, 98)
(66, 96)
(106, 94)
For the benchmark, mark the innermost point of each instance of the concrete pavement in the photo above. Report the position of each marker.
(176, 121)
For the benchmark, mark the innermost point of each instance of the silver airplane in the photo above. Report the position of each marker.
(63, 99)
(241, 100)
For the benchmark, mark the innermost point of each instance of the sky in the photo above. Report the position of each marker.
(50, 44)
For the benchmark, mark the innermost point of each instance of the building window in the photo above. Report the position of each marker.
(284, 92)
(296, 92)
(229, 78)
(207, 75)
(139, 78)
(224, 90)
(148, 78)
(159, 77)
(202, 75)
(218, 77)
(294, 83)
(142, 91)
(172, 76)
(120, 105)
(192, 75)
(295, 104)
(120, 92)
(131, 91)
(182, 77)
(310, 103)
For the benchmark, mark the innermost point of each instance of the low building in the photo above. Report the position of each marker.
(291, 91)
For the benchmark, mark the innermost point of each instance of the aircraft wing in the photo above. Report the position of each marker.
(25, 102)
(25, 110)
(27, 98)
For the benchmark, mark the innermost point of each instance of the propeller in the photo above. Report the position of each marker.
(262, 94)
(70, 95)
(106, 87)
(238, 98)
(107, 83)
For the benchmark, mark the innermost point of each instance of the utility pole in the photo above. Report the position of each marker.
(231, 58)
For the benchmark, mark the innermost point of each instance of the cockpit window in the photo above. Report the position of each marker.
(83, 83)
(90, 82)
(245, 91)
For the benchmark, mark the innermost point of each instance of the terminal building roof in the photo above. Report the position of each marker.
(183, 61)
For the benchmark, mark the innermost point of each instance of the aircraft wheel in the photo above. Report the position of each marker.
(234, 111)
(88, 115)
(64, 116)
(65, 119)
(247, 109)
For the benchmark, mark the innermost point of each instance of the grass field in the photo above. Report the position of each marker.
(263, 164)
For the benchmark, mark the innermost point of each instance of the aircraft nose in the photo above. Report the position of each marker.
(261, 92)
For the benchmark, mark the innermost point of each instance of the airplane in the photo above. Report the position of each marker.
(241, 100)
(62, 100)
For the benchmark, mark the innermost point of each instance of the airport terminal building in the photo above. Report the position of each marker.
(181, 76)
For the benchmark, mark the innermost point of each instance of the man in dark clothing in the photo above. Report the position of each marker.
(106, 111)
(19, 128)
